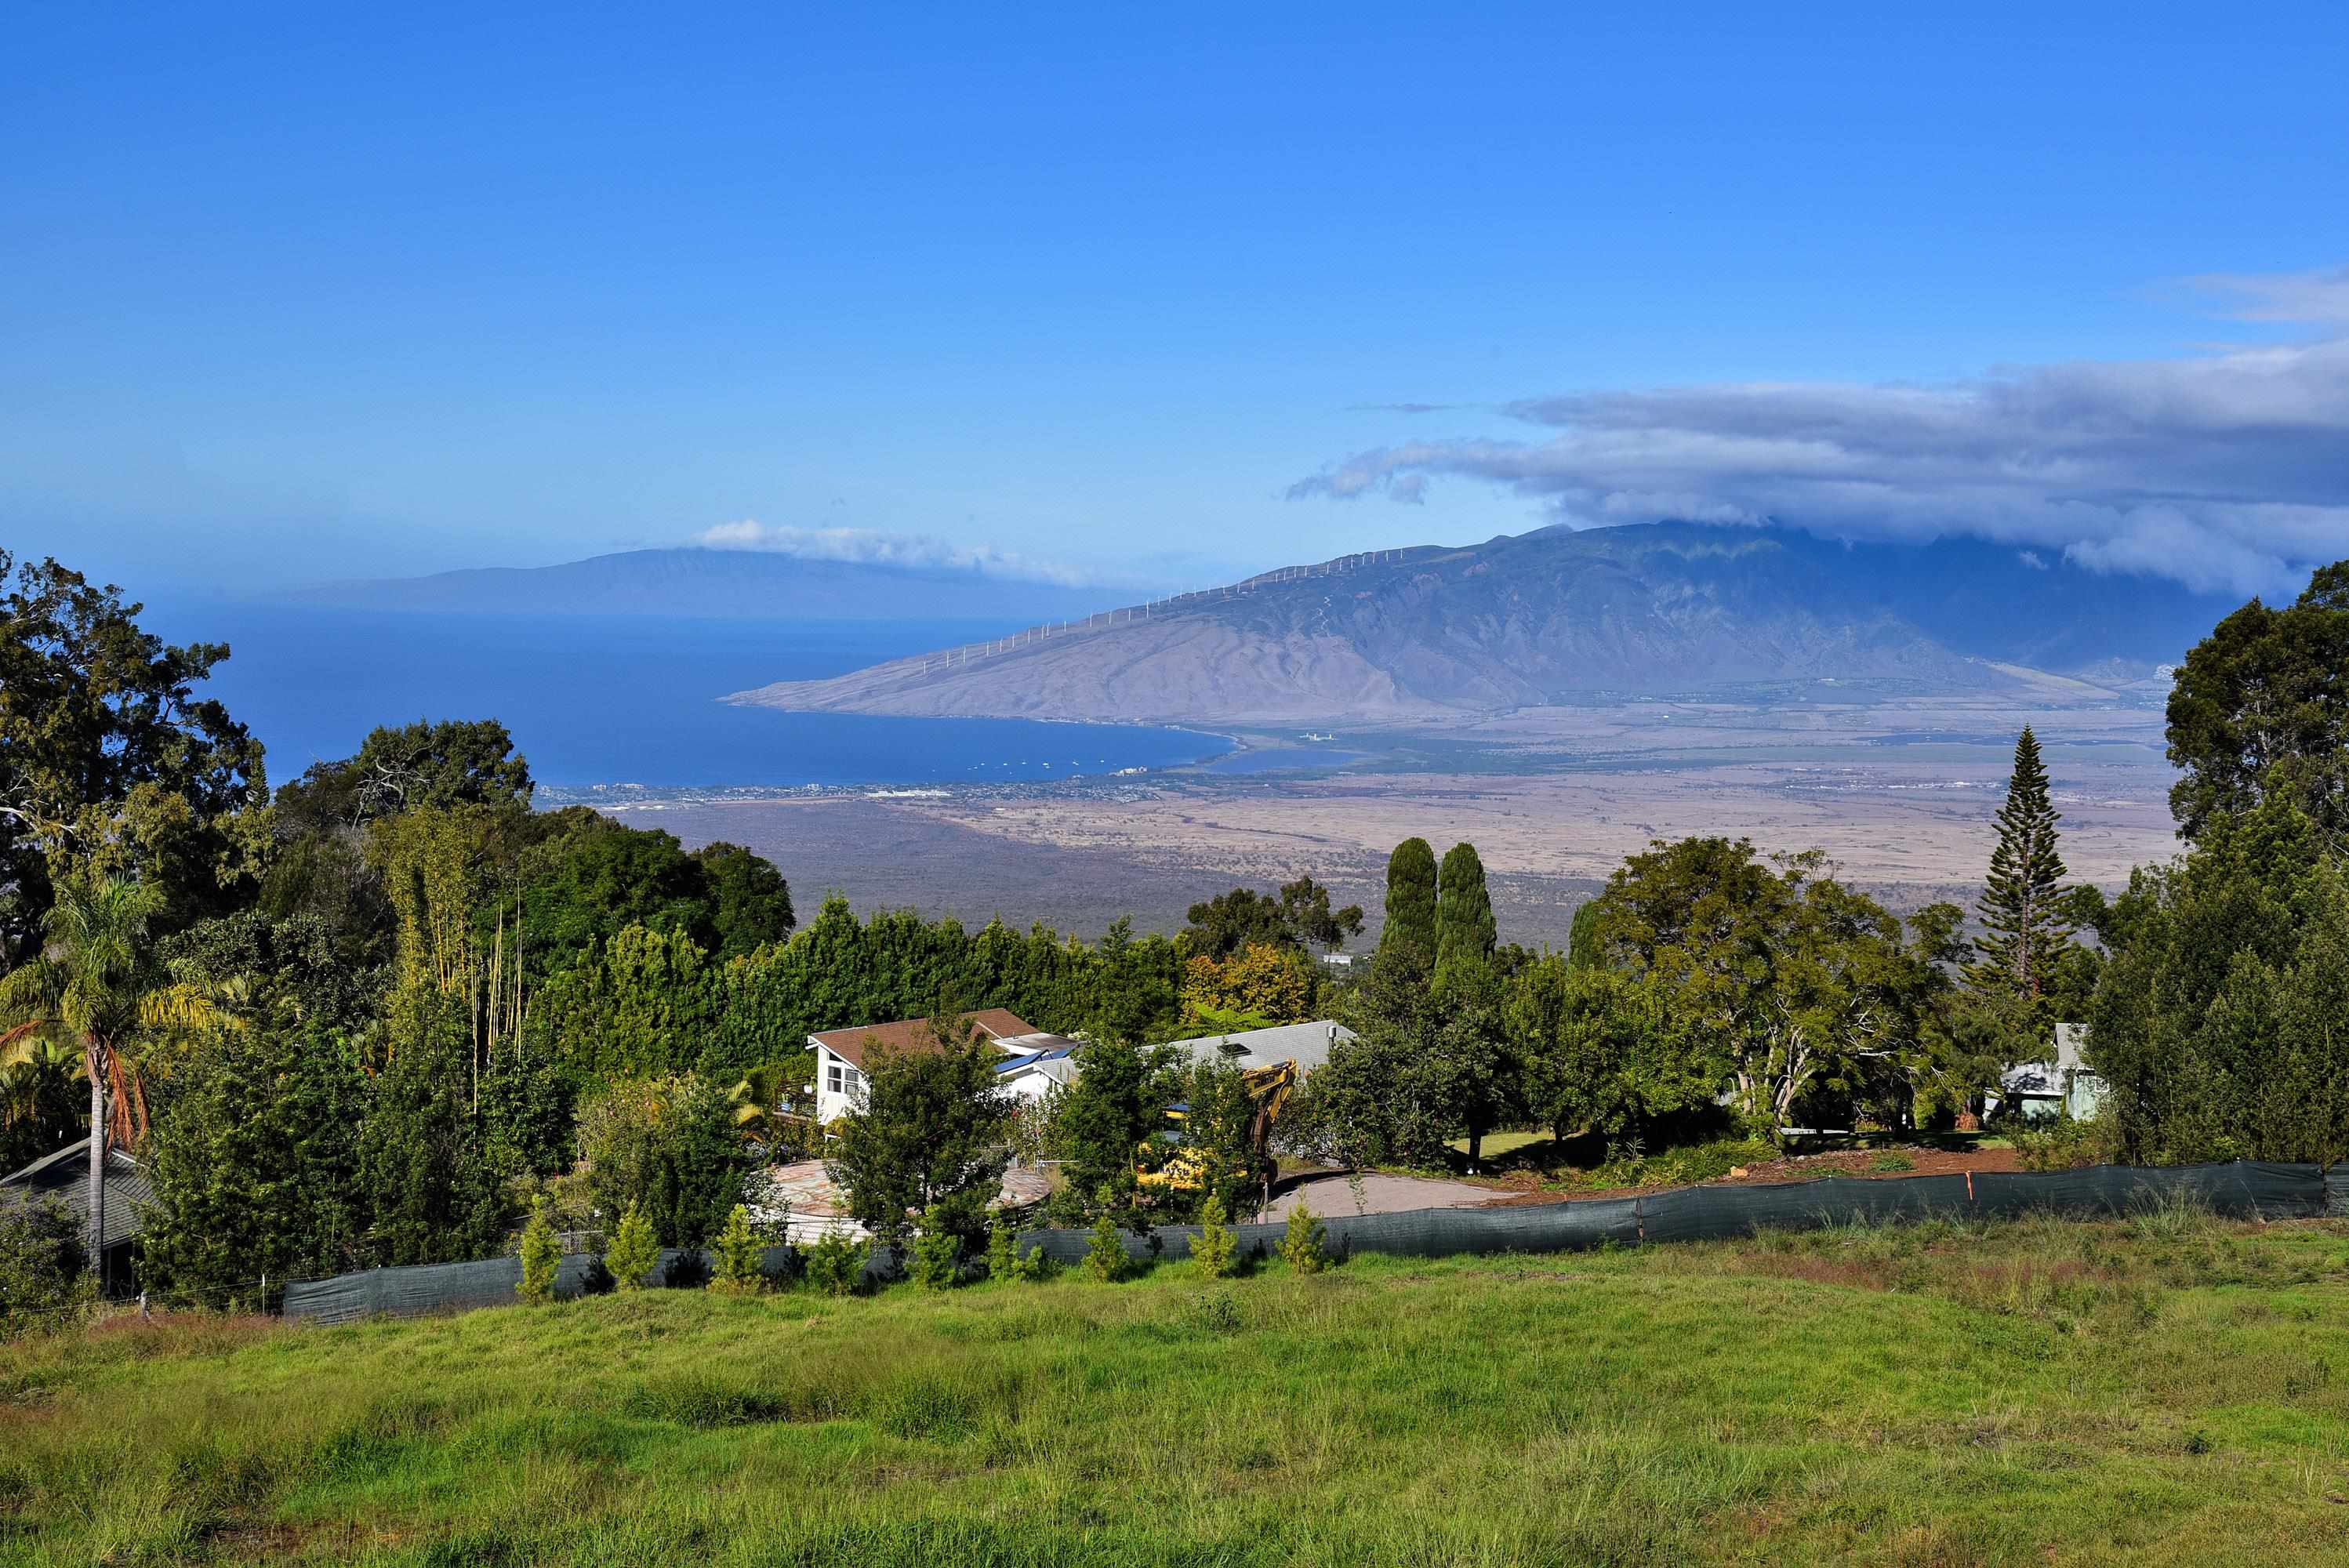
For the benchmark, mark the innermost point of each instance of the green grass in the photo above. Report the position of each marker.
(2163, 1390)
(1498, 1144)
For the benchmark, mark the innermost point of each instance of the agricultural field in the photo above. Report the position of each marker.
(2167, 1390)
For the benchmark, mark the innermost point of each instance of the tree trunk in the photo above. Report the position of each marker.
(95, 1062)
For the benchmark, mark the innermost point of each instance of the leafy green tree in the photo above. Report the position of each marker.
(2024, 915)
(254, 1164)
(929, 1137)
(110, 765)
(635, 1251)
(1217, 1247)
(1118, 1101)
(586, 878)
(1410, 903)
(1465, 935)
(1477, 1071)
(668, 1146)
(542, 1257)
(1602, 1053)
(1304, 1245)
(1301, 917)
(1384, 1096)
(423, 766)
(44, 1274)
(749, 902)
(436, 1187)
(2259, 711)
(1809, 987)
(2215, 1024)
(1220, 1129)
(741, 1256)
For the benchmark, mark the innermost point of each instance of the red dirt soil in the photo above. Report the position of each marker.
(1519, 1189)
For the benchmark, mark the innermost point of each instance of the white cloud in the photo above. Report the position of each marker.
(2305, 298)
(875, 548)
(2227, 469)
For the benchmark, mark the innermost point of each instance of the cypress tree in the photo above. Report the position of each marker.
(2025, 930)
(1466, 934)
(1411, 901)
(1582, 937)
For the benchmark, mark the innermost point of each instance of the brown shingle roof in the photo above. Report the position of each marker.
(915, 1035)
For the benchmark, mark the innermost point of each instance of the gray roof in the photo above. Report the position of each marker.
(65, 1176)
(1307, 1044)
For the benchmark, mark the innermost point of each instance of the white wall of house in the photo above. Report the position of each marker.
(839, 1086)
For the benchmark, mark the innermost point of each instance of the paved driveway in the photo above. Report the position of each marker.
(1333, 1195)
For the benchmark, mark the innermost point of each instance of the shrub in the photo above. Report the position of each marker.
(1005, 1261)
(1217, 1248)
(2071, 1144)
(42, 1273)
(1105, 1257)
(1002, 1249)
(1892, 1159)
(670, 1145)
(635, 1251)
(1306, 1245)
(938, 1252)
(542, 1255)
(742, 1258)
(835, 1265)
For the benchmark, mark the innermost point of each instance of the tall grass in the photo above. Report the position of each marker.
(1935, 1393)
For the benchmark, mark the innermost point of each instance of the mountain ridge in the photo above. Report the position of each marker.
(1553, 615)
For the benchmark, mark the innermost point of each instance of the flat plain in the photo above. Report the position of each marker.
(1899, 794)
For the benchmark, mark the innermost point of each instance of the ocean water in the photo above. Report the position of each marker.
(628, 701)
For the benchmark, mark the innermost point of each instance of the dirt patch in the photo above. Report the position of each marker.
(1847, 1162)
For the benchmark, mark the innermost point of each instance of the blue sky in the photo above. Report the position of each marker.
(288, 295)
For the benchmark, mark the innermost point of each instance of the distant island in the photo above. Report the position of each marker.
(725, 585)
(1560, 615)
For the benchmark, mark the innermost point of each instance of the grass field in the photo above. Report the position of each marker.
(2166, 1390)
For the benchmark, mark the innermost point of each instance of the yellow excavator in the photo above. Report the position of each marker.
(1180, 1168)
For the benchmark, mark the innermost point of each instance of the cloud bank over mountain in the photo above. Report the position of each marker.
(874, 547)
(2226, 470)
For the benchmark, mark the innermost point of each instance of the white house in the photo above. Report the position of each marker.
(1032, 1060)
(2042, 1091)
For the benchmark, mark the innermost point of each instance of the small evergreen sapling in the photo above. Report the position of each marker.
(1105, 1257)
(835, 1265)
(1304, 1246)
(938, 1252)
(1217, 1248)
(635, 1251)
(542, 1255)
(740, 1257)
(1002, 1249)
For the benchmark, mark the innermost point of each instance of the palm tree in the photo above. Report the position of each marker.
(758, 1100)
(95, 986)
(36, 1083)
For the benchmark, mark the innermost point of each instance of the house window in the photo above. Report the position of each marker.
(832, 1077)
